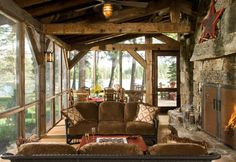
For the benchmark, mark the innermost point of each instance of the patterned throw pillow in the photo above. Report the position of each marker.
(146, 113)
(73, 115)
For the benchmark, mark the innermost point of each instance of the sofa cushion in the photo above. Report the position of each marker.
(111, 111)
(130, 111)
(45, 148)
(73, 115)
(177, 149)
(111, 127)
(134, 127)
(146, 113)
(89, 110)
(110, 148)
(83, 127)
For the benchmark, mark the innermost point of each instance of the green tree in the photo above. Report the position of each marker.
(172, 71)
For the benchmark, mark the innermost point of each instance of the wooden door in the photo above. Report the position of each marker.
(210, 110)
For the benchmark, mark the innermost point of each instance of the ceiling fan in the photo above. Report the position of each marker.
(108, 6)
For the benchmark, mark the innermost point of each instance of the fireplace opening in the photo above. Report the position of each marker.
(231, 126)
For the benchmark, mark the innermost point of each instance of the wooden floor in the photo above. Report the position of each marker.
(57, 134)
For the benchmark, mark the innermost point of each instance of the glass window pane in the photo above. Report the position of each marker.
(167, 99)
(64, 101)
(167, 72)
(49, 120)
(64, 74)
(57, 69)
(82, 73)
(8, 62)
(31, 121)
(107, 68)
(31, 73)
(8, 133)
(57, 108)
(49, 75)
(132, 73)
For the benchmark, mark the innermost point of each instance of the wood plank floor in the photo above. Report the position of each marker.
(57, 135)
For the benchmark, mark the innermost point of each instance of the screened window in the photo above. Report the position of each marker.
(31, 120)
(49, 75)
(8, 133)
(31, 73)
(57, 69)
(8, 62)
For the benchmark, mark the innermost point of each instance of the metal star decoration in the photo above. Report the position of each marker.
(209, 23)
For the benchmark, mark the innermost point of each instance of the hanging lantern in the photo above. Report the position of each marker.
(107, 10)
(49, 56)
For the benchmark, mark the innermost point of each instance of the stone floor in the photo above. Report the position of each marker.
(227, 154)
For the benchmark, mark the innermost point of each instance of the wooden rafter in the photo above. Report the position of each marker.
(129, 14)
(64, 54)
(167, 40)
(47, 42)
(61, 17)
(137, 57)
(55, 7)
(11, 8)
(80, 46)
(39, 57)
(137, 47)
(76, 59)
(111, 28)
(27, 3)
(174, 12)
(60, 42)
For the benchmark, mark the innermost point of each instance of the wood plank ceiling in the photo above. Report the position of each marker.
(90, 12)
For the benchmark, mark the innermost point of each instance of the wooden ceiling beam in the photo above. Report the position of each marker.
(27, 3)
(137, 47)
(55, 7)
(76, 59)
(39, 57)
(137, 57)
(129, 14)
(111, 28)
(12, 9)
(80, 46)
(59, 41)
(61, 17)
(166, 39)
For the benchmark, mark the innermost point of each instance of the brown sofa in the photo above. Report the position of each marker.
(39, 152)
(110, 118)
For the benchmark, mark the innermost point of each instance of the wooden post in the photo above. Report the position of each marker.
(42, 90)
(95, 67)
(120, 63)
(21, 77)
(149, 72)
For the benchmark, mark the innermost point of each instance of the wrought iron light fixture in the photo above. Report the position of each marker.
(107, 9)
(49, 56)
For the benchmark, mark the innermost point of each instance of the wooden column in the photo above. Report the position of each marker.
(21, 77)
(120, 63)
(42, 89)
(95, 67)
(149, 72)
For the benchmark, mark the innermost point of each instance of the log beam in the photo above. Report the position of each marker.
(137, 57)
(137, 47)
(111, 28)
(76, 59)
(166, 39)
(12, 9)
(39, 57)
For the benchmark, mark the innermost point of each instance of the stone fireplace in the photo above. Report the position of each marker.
(214, 78)
(219, 112)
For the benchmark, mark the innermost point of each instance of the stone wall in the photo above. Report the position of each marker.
(214, 61)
